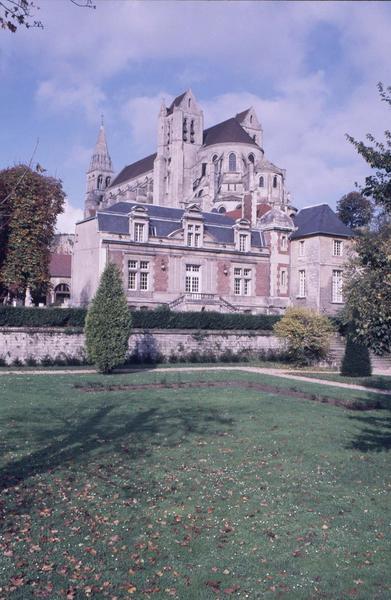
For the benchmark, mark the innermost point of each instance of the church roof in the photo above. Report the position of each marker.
(101, 158)
(227, 131)
(137, 168)
(175, 102)
(242, 115)
(165, 221)
(319, 220)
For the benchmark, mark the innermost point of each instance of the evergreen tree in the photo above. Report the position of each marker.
(108, 323)
(356, 361)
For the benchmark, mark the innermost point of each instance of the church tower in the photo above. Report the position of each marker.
(99, 175)
(180, 131)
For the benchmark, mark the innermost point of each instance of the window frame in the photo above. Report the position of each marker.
(192, 277)
(139, 272)
(337, 244)
(302, 277)
(336, 287)
(232, 162)
(242, 281)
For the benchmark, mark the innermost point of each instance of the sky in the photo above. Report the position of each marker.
(310, 70)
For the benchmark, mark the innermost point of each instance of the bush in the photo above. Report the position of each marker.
(306, 335)
(356, 361)
(21, 316)
(108, 323)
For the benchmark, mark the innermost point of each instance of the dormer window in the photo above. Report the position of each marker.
(243, 242)
(232, 162)
(139, 232)
(193, 237)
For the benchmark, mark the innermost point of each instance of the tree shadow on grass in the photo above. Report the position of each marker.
(375, 435)
(103, 433)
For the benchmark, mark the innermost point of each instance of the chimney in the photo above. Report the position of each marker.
(250, 209)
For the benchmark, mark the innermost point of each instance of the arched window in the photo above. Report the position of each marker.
(261, 182)
(275, 181)
(222, 210)
(251, 118)
(189, 102)
(184, 129)
(232, 162)
(108, 180)
(62, 293)
(251, 158)
(99, 183)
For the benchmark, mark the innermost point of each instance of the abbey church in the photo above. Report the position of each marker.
(206, 223)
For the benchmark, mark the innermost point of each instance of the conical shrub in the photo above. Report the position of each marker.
(108, 323)
(356, 361)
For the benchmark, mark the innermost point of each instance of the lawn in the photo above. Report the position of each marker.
(192, 486)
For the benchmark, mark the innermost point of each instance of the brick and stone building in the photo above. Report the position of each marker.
(205, 223)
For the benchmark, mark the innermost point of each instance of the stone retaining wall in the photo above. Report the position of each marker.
(44, 344)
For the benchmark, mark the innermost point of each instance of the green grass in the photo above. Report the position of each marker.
(381, 382)
(191, 493)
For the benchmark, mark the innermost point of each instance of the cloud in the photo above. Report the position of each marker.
(67, 219)
(59, 97)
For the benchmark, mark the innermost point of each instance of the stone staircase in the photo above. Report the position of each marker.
(379, 363)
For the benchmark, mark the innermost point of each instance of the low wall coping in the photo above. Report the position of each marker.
(70, 331)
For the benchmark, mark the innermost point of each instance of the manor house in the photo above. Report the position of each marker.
(206, 223)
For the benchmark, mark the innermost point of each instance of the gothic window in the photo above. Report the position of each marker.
(99, 183)
(251, 158)
(275, 181)
(203, 170)
(192, 131)
(189, 102)
(108, 180)
(138, 275)
(261, 182)
(251, 118)
(232, 162)
(184, 132)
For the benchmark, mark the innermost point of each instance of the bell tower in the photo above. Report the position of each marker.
(99, 174)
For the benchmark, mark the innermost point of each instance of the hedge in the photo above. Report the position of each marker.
(142, 319)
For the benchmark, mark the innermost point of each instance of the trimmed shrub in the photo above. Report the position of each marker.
(306, 334)
(21, 316)
(356, 361)
(108, 323)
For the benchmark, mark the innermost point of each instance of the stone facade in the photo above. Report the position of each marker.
(205, 223)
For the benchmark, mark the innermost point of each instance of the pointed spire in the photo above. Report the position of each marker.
(100, 159)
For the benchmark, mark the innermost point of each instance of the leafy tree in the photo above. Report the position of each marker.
(378, 156)
(306, 335)
(356, 361)
(368, 282)
(29, 205)
(16, 13)
(108, 323)
(355, 210)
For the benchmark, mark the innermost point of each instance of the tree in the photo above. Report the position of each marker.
(356, 361)
(306, 335)
(16, 13)
(29, 205)
(368, 280)
(355, 210)
(108, 323)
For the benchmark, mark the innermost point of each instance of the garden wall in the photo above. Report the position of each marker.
(29, 344)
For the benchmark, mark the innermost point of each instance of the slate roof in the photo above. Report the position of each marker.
(242, 115)
(319, 220)
(164, 221)
(227, 131)
(60, 265)
(138, 168)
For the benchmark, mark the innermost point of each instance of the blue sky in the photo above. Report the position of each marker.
(310, 70)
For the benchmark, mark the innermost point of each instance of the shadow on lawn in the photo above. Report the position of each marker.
(103, 433)
(375, 435)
